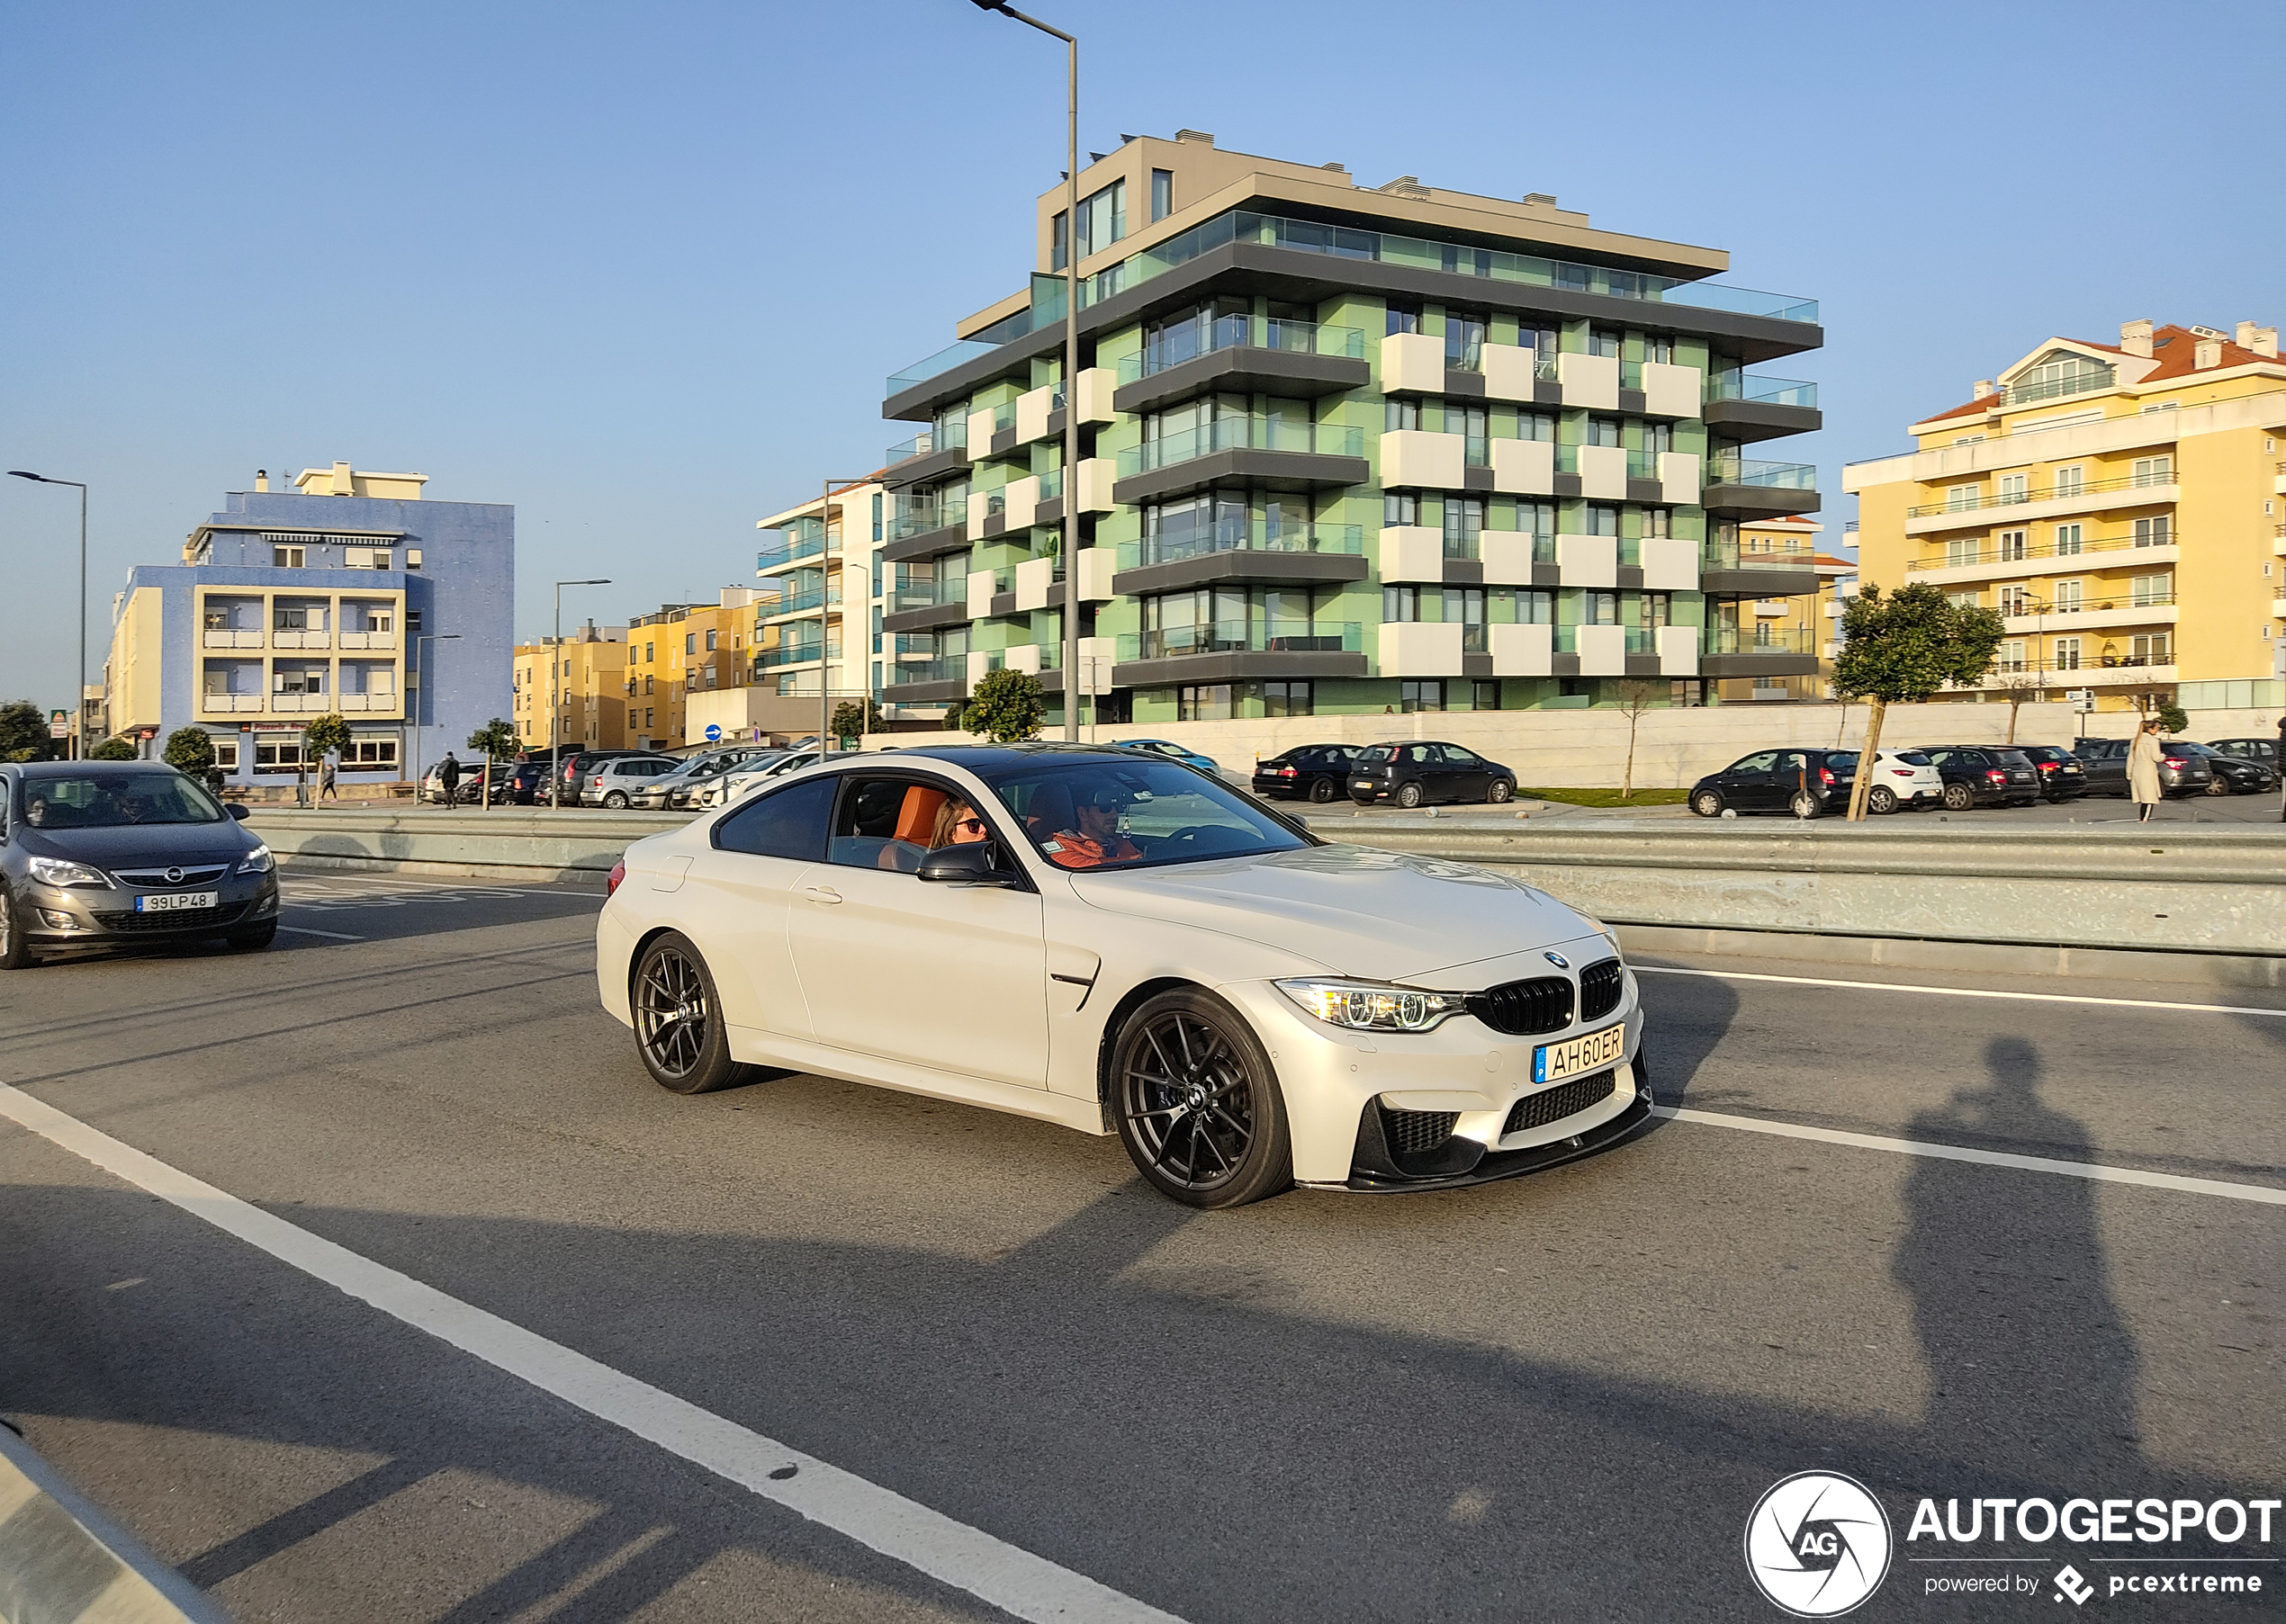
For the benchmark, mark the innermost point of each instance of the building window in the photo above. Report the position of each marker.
(1966, 599)
(1657, 523)
(2012, 655)
(2153, 649)
(2155, 533)
(286, 558)
(1602, 519)
(1484, 696)
(370, 755)
(1162, 194)
(2069, 540)
(2011, 545)
(710, 642)
(1205, 701)
(412, 621)
(2016, 600)
(1287, 699)
(2155, 471)
(1537, 518)
(1404, 317)
(2068, 597)
(1536, 425)
(876, 525)
(1657, 609)
(1659, 347)
(646, 715)
(1463, 524)
(1102, 221)
(226, 754)
(1466, 605)
(1398, 414)
(1465, 339)
(2069, 482)
(1961, 499)
(2144, 591)
(1401, 604)
(689, 644)
(1400, 508)
(1418, 695)
(2067, 653)
(1536, 607)
(1602, 341)
(1603, 431)
(1601, 609)
(283, 756)
(2008, 489)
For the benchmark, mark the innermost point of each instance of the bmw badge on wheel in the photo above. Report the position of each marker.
(1818, 1544)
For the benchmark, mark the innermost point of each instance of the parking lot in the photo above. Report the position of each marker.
(1554, 1397)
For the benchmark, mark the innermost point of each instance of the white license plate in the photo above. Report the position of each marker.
(1554, 1062)
(172, 901)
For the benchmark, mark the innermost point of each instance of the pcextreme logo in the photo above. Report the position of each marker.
(1818, 1544)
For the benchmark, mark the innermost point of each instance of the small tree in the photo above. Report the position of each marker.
(1006, 707)
(1901, 650)
(326, 735)
(2017, 689)
(114, 749)
(495, 738)
(1634, 699)
(2172, 718)
(23, 733)
(190, 750)
(850, 723)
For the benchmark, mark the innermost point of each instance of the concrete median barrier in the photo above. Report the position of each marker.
(64, 1562)
(538, 844)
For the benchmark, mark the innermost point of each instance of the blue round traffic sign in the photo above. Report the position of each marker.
(714, 733)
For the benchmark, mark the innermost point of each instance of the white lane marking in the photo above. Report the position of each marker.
(2037, 998)
(317, 876)
(332, 934)
(1955, 1153)
(1007, 1576)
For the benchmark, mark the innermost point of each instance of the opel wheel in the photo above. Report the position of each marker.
(679, 1020)
(1500, 792)
(1408, 794)
(1957, 797)
(1881, 800)
(1197, 1107)
(15, 951)
(1707, 803)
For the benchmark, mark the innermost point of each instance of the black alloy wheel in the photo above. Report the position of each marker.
(1408, 794)
(679, 1020)
(1321, 790)
(1707, 803)
(1501, 792)
(1959, 797)
(15, 950)
(1198, 1109)
(1881, 800)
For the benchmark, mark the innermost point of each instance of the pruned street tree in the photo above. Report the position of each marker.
(113, 749)
(850, 723)
(1634, 699)
(495, 738)
(189, 749)
(1902, 650)
(23, 733)
(1006, 706)
(2018, 688)
(323, 736)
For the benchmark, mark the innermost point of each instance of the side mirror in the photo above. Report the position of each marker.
(236, 808)
(976, 864)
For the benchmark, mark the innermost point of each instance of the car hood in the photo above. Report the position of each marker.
(1384, 915)
(141, 845)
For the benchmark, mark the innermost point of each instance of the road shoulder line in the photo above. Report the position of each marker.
(2037, 998)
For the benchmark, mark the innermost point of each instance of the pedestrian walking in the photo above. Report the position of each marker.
(326, 790)
(448, 777)
(2143, 770)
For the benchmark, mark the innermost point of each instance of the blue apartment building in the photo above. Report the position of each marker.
(349, 594)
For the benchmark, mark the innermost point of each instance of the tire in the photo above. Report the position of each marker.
(1321, 790)
(617, 801)
(1408, 794)
(1501, 793)
(2219, 786)
(1959, 797)
(1197, 1104)
(1881, 800)
(15, 948)
(679, 1020)
(253, 937)
(1805, 805)
(1707, 803)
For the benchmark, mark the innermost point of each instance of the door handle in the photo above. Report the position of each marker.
(821, 893)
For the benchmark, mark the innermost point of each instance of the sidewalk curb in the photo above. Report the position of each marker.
(64, 1562)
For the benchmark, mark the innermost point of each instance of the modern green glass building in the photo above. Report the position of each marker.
(1346, 451)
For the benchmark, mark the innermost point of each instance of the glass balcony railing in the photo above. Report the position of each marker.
(770, 561)
(1763, 392)
(1051, 485)
(2093, 376)
(1772, 476)
(1761, 640)
(1731, 555)
(1236, 332)
(919, 518)
(1240, 535)
(1236, 636)
(793, 654)
(794, 603)
(1643, 464)
(943, 667)
(930, 593)
(1247, 432)
(945, 437)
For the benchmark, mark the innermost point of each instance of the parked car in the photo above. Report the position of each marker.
(2230, 774)
(689, 773)
(813, 924)
(748, 774)
(1900, 779)
(613, 784)
(1173, 752)
(575, 767)
(1413, 772)
(1803, 782)
(1310, 772)
(2062, 776)
(1985, 775)
(469, 789)
(102, 853)
(2265, 750)
(2106, 761)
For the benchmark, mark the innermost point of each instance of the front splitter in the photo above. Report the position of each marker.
(1512, 1164)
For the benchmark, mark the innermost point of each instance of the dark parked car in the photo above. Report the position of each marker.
(527, 781)
(2106, 760)
(98, 853)
(1804, 783)
(1985, 775)
(2265, 750)
(2231, 774)
(1416, 771)
(1311, 772)
(2062, 776)
(469, 791)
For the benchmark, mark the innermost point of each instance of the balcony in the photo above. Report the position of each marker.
(226, 637)
(2113, 609)
(369, 639)
(1984, 560)
(2029, 503)
(1241, 550)
(931, 455)
(224, 704)
(1748, 406)
(1245, 354)
(774, 560)
(939, 668)
(1239, 650)
(809, 601)
(310, 703)
(926, 529)
(1271, 452)
(300, 638)
(367, 704)
(1725, 571)
(1761, 490)
(793, 654)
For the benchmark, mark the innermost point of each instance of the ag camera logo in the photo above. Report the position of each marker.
(1818, 1544)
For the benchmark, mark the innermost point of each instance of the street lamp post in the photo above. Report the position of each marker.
(420, 668)
(79, 680)
(555, 691)
(825, 608)
(1071, 680)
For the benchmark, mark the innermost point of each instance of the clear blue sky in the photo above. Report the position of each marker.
(641, 270)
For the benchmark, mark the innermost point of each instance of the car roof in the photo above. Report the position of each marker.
(83, 769)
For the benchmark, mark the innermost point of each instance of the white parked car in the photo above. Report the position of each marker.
(1903, 778)
(1121, 944)
(752, 775)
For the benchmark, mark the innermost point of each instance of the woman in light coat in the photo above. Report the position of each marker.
(2143, 770)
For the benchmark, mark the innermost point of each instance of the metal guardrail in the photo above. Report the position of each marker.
(62, 1559)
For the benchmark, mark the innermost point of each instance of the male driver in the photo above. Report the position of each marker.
(1097, 840)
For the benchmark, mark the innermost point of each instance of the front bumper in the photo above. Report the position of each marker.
(1495, 1164)
(77, 916)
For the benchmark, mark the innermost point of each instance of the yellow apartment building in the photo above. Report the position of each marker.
(1801, 622)
(681, 655)
(2119, 505)
(589, 689)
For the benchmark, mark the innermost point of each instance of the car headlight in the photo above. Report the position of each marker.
(1372, 1006)
(55, 871)
(257, 861)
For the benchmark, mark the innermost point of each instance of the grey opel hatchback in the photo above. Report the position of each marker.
(108, 853)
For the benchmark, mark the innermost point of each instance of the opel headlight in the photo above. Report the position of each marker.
(55, 871)
(257, 861)
(1372, 1006)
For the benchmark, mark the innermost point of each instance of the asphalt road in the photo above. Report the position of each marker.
(1557, 1397)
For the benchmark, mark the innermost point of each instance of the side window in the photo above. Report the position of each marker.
(1763, 763)
(1458, 756)
(887, 823)
(788, 822)
(1420, 754)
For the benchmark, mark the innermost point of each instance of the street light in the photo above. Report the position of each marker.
(79, 681)
(1071, 680)
(825, 608)
(420, 669)
(556, 690)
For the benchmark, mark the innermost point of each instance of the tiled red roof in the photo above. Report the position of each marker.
(2175, 348)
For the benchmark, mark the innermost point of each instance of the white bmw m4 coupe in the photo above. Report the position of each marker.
(1126, 945)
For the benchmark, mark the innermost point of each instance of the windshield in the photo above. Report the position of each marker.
(1379, 752)
(1105, 814)
(115, 800)
(2183, 746)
